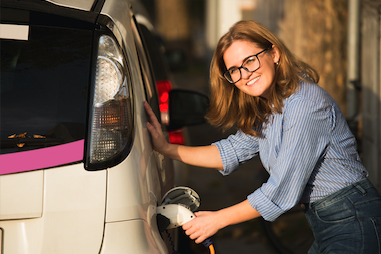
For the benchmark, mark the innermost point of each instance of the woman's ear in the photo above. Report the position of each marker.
(275, 54)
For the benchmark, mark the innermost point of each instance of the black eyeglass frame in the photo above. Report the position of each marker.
(241, 67)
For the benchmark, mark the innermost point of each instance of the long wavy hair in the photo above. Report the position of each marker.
(230, 106)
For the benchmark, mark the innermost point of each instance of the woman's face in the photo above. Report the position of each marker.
(255, 83)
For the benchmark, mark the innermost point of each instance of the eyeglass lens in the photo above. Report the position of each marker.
(251, 64)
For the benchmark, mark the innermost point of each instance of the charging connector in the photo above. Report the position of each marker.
(177, 208)
(177, 214)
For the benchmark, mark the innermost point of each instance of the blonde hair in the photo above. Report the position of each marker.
(230, 106)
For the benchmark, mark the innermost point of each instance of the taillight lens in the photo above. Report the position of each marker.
(111, 123)
(163, 89)
(176, 137)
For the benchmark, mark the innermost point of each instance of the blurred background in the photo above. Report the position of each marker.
(339, 38)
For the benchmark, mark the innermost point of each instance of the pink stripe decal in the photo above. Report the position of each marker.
(41, 158)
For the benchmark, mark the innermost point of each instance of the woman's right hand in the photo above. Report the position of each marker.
(201, 156)
(158, 140)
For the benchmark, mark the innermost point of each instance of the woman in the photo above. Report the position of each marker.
(301, 136)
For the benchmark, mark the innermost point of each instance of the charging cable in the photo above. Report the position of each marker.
(208, 243)
(211, 249)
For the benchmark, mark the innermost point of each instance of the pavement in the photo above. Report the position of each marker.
(289, 234)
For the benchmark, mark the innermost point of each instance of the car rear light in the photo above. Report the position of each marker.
(176, 137)
(110, 130)
(163, 89)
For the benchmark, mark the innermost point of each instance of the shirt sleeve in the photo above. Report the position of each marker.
(305, 134)
(236, 150)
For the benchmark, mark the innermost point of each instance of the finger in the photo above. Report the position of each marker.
(187, 225)
(197, 213)
(147, 107)
(193, 234)
(149, 110)
(151, 115)
(151, 129)
(190, 231)
(198, 236)
(200, 239)
(156, 134)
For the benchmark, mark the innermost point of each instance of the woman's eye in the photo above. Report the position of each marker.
(250, 60)
(232, 71)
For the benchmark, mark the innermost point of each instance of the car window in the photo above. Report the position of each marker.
(147, 75)
(155, 52)
(44, 82)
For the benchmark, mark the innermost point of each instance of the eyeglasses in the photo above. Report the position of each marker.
(249, 64)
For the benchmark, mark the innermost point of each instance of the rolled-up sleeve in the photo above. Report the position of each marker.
(304, 133)
(236, 150)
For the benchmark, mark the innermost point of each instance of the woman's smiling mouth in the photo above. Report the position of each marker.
(252, 81)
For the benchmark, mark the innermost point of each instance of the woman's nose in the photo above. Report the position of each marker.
(245, 74)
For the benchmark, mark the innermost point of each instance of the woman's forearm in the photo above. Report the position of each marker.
(201, 156)
(238, 213)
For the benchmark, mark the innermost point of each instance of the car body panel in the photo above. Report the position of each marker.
(132, 185)
(130, 237)
(73, 212)
(21, 195)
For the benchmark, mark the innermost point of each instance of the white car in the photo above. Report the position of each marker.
(77, 169)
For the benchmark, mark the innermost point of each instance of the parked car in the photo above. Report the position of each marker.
(77, 170)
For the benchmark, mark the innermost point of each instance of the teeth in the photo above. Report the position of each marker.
(253, 81)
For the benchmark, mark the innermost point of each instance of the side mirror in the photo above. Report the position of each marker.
(187, 108)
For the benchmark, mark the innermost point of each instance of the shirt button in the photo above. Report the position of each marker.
(303, 206)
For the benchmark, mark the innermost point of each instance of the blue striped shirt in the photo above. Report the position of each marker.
(308, 150)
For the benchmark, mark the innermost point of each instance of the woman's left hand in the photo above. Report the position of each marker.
(203, 226)
(207, 224)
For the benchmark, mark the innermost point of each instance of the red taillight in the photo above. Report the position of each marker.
(163, 88)
(176, 137)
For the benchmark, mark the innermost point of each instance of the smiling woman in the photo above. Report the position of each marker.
(301, 136)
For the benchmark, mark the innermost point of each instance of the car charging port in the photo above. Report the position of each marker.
(177, 208)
